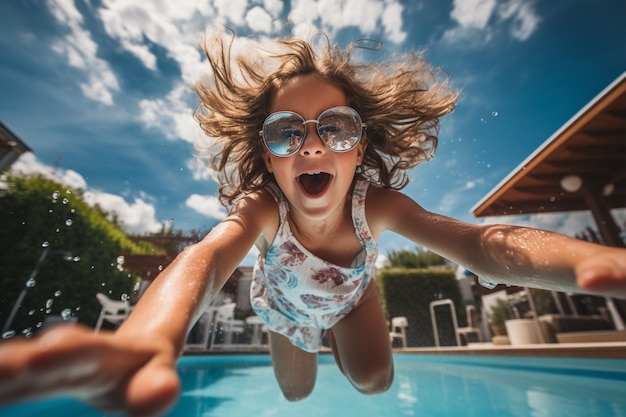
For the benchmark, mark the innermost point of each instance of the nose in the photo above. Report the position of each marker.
(313, 144)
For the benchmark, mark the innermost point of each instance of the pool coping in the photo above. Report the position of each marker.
(614, 350)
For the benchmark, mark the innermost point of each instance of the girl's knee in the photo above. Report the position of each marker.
(297, 392)
(375, 380)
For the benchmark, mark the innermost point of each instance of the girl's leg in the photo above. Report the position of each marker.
(360, 343)
(295, 369)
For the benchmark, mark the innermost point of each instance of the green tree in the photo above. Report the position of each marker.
(36, 213)
(417, 258)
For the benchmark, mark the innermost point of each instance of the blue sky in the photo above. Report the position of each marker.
(100, 91)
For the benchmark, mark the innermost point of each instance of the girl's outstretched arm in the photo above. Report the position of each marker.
(133, 369)
(502, 253)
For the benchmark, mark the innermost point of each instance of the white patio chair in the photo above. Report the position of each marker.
(226, 325)
(398, 329)
(471, 328)
(113, 311)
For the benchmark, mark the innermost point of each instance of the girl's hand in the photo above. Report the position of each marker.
(604, 272)
(136, 376)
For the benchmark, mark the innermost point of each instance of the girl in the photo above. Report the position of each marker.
(313, 150)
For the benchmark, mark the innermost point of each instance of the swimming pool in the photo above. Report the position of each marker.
(425, 385)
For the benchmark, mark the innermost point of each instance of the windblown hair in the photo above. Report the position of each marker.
(400, 101)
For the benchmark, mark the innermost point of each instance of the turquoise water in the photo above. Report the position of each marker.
(425, 385)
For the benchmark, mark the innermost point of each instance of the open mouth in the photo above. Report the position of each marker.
(314, 183)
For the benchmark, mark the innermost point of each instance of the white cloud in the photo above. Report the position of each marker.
(473, 13)
(137, 217)
(259, 20)
(477, 21)
(209, 206)
(81, 52)
(29, 164)
(332, 15)
(523, 16)
(172, 115)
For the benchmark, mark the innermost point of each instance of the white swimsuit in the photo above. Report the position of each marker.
(298, 294)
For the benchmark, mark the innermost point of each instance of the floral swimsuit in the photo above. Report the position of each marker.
(298, 294)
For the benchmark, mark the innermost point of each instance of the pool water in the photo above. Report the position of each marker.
(425, 385)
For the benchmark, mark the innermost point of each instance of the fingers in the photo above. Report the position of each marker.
(152, 391)
(602, 275)
(114, 374)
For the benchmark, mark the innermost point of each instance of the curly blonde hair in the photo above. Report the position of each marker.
(400, 101)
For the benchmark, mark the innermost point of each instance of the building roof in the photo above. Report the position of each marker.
(590, 147)
(11, 147)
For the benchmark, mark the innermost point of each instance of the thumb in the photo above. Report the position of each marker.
(153, 390)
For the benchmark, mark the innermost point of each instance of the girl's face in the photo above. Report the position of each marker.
(315, 180)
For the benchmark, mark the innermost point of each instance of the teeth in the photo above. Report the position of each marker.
(313, 173)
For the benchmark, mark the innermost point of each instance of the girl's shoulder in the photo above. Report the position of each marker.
(259, 207)
(385, 206)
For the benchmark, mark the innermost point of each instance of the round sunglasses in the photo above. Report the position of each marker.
(340, 129)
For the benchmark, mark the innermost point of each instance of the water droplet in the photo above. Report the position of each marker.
(487, 284)
(31, 312)
(38, 325)
(65, 201)
(124, 297)
(57, 293)
(48, 311)
(66, 314)
(31, 283)
(160, 268)
(8, 334)
(76, 258)
(56, 195)
(494, 113)
(49, 303)
(45, 244)
(72, 211)
(68, 222)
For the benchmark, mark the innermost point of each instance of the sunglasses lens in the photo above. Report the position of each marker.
(283, 132)
(340, 129)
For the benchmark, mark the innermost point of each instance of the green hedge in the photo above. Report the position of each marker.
(409, 292)
(37, 212)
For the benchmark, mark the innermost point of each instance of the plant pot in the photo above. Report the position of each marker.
(523, 331)
(498, 330)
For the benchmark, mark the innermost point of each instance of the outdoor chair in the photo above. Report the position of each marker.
(113, 311)
(398, 329)
(471, 328)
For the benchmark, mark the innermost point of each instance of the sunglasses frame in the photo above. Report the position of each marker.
(305, 122)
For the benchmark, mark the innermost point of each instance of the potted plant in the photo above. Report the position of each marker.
(498, 315)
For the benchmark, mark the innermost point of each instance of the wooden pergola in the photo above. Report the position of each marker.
(582, 166)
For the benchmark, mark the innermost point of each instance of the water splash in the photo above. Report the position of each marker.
(8, 334)
(486, 283)
(66, 314)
